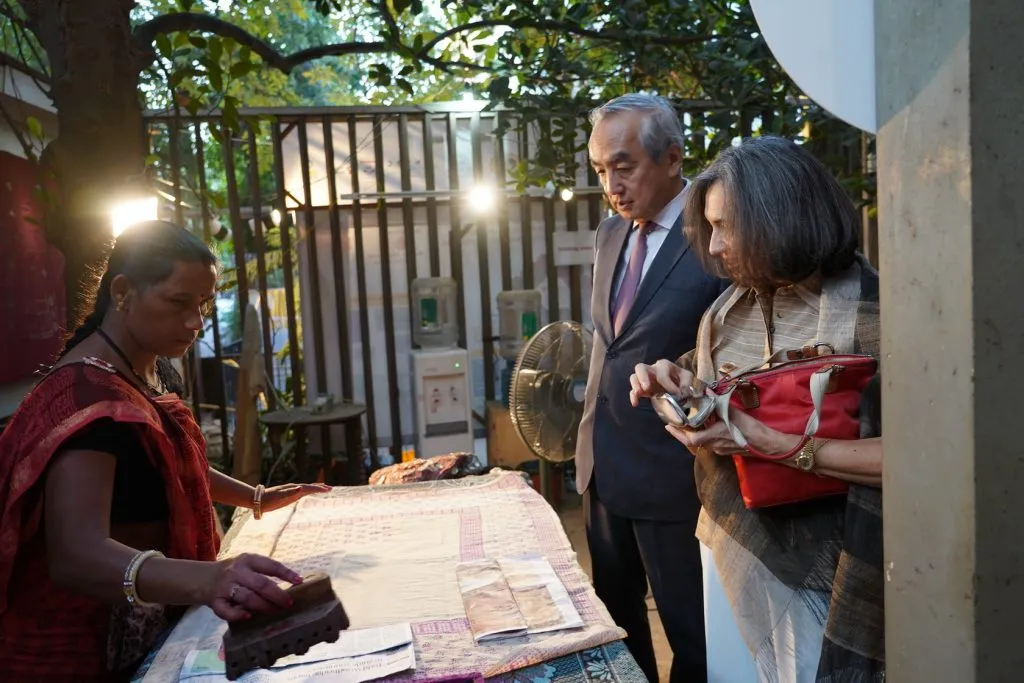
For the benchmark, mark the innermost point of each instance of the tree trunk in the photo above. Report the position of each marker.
(101, 143)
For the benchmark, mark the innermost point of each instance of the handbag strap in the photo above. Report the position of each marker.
(818, 385)
(783, 355)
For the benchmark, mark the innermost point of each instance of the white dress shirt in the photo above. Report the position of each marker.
(663, 222)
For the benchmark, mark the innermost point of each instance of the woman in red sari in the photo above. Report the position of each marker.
(106, 517)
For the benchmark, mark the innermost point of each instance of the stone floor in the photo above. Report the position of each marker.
(571, 513)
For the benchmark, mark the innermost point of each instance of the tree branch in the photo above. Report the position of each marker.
(563, 27)
(189, 22)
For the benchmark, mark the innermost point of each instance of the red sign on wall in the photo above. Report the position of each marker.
(32, 305)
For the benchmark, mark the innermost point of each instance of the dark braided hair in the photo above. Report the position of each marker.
(146, 254)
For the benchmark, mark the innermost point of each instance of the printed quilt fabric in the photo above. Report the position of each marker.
(391, 552)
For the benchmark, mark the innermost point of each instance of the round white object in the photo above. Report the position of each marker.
(828, 48)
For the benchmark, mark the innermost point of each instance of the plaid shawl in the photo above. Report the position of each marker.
(826, 553)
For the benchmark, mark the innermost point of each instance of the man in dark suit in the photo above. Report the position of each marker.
(640, 499)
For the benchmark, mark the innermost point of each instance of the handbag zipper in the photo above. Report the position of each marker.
(785, 365)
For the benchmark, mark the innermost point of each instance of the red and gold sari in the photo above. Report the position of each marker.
(46, 632)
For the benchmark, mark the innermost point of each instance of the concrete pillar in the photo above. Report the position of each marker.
(950, 85)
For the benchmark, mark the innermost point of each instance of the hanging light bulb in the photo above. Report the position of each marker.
(129, 212)
(482, 198)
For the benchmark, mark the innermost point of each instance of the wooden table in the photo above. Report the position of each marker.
(349, 415)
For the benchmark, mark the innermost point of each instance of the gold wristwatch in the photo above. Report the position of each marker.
(805, 460)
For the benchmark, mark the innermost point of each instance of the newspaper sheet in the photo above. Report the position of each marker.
(358, 655)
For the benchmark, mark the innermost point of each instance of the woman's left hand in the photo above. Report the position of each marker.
(719, 441)
(281, 496)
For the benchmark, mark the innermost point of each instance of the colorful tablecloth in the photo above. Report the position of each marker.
(391, 552)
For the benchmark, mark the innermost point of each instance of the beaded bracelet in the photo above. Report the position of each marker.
(131, 572)
(257, 502)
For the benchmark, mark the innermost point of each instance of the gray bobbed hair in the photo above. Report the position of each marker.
(787, 215)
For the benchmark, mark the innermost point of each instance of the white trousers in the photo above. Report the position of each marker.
(792, 656)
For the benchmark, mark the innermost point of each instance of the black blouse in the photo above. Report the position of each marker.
(138, 485)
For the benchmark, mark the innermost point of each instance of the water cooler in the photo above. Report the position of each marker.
(518, 318)
(443, 399)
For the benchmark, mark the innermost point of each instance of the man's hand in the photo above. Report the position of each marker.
(664, 377)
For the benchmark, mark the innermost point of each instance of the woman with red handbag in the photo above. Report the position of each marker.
(790, 524)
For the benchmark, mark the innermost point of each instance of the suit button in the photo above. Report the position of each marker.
(612, 355)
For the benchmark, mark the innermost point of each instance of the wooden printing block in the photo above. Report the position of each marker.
(316, 616)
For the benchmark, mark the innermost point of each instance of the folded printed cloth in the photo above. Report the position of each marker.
(450, 466)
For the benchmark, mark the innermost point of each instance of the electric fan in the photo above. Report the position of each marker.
(547, 390)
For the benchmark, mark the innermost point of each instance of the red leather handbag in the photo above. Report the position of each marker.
(809, 393)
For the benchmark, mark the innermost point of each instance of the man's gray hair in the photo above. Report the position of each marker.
(661, 127)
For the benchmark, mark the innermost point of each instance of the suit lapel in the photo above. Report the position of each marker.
(672, 249)
(608, 255)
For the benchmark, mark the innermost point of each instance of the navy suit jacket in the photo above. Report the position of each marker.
(642, 472)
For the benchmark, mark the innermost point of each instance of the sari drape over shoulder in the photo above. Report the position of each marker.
(48, 632)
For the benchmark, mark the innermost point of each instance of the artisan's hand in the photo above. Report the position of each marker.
(719, 441)
(243, 585)
(281, 496)
(664, 377)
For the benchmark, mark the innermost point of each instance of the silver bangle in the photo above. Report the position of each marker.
(257, 502)
(131, 573)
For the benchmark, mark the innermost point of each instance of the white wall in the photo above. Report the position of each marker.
(22, 97)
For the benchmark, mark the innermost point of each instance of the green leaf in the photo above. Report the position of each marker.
(216, 76)
(163, 46)
(229, 110)
(35, 128)
(152, 160)
(198, 42)
(404, 85)
(216, 49)
(239, 69)
(177, 76)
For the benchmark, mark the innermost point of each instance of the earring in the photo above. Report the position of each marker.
(120, 304)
